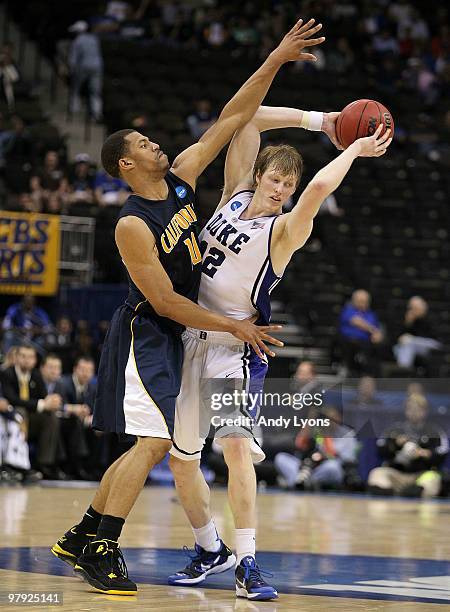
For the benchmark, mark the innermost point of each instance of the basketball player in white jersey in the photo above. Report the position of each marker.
(247, 245)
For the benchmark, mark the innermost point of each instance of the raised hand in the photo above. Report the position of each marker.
(376, 145)
(290, 48)
(257, 336)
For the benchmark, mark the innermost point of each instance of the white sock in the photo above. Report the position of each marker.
(207, 537)
(245, 544)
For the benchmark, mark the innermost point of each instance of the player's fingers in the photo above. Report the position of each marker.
(311, 31)
(377, 132)
(257, 349)
(307, 57)
(315, 41)
(306, 26)
(265, 348)
(267, 328)
(296, 27)
(271, 340)
(385, 136)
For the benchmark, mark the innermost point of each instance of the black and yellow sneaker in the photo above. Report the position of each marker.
(102, 565)
(70, 546)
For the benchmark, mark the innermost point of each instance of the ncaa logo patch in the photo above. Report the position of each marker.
(181, 191)
(236, 205)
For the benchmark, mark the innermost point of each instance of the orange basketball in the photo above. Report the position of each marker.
(361, 118)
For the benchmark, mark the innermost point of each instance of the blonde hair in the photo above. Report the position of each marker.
(282, 158)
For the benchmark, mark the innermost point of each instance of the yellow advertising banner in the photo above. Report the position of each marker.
(29, 253)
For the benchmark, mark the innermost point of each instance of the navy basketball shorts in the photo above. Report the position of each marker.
(139, 376)
(208, 356)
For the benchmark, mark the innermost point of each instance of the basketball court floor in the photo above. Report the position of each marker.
(327, 552)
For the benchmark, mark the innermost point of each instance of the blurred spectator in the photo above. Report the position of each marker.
(109, 190)
(131, 24)
(10, 358)
(79, 388)
(86, 70)
(24, 321)
(25, 390)
(215, 33)
(321, 461)
(366, 394)
(82, 180)
(413, 452)
(18, 153)
(9, 75)
(60, 341)
(51, 177)
(14, 451)
(305, 378)
(417, 337)
(360, 334)
(384, 43)
(71, 417)
(340, 57)
(201, 119)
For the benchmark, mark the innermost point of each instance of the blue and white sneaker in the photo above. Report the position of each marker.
(250, 584)
(202, 564)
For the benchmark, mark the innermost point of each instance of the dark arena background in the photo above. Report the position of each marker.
(353, 495)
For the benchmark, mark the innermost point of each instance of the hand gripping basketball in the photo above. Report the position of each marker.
(376, 145)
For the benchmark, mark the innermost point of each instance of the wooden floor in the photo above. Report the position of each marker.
(326, 552)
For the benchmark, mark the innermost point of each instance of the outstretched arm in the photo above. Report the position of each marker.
(241, 108)
(244, 147)
(296, 226)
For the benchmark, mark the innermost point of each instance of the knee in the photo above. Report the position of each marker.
(183, 470)
(236, 451)
(153, 449)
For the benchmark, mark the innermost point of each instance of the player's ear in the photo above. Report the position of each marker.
(125, 163)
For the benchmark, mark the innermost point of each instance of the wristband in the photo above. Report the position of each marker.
(312, 120)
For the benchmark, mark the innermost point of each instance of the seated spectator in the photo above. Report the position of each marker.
(360, 334)
(72, 426)
(413, 452)
(201, 119)
(51, 177)
(79, 390)
(109, 190)
(24, 321)
(417, 337)
(364, 411)
(81, 183)
(14, 451)
(320, 461)
(305, 378)
(25, 390)
(79, 387)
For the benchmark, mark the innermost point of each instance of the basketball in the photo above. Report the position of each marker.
(361, 118)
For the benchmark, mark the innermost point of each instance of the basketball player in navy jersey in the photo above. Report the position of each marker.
(140, 368)
(237, 282)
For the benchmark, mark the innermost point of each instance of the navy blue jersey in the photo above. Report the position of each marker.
(173, 223)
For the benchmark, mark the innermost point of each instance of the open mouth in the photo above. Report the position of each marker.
(275, 199)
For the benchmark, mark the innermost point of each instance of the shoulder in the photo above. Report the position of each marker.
(179, 184)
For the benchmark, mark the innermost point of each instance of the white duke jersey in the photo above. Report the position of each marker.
(237, 274)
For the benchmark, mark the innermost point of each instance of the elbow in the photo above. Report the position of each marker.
(320, 187)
